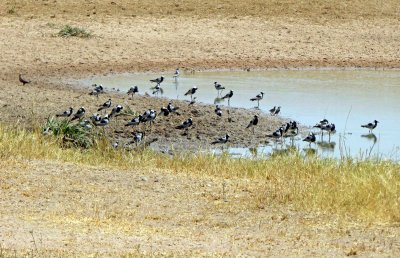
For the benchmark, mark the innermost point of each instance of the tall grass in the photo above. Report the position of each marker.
(367, 189)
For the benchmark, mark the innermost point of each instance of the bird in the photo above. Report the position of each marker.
(277, 110)
(22, 80)
(158, 80)
(134, 121)
(185, 125)
(98, 89)
(116, 110)
(104, 121)
(228, 96)
(371, 126)
(95, 118)
(222, 139)
(79, 114)
(133, 90)
(173, 109)
(218, 110)
(176, 74)
(191, 92)
(253, 122)
(258, 98)
(157, 89)
(138, 137)
(272, 111)
(66, 113)
(310, 138)
(165, 111)
(86, 124)
(105, 105)
(218, 87)
(277, 134)
(115, 145)
(321, 124)
(148, 116)
(330, 128)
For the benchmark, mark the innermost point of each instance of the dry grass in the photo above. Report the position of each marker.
(368, 189)
(315, 9)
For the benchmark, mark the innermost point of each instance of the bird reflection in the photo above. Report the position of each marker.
(372, 137)
(328, 146)
(218, 100)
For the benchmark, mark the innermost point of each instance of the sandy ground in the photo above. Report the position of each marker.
(82, 210)
(73, 219)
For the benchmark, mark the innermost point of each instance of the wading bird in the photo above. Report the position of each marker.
(218, 87)
(222, 139)
(310, 138)
(258, 98)
(158, 80)
(133, 90)
(228, 96)
(371, 126)
(191, 92)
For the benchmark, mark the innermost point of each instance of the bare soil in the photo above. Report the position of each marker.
(72, 210)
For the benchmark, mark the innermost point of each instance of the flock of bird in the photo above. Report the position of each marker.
(289, 129)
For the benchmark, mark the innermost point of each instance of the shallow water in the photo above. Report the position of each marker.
(346, 98)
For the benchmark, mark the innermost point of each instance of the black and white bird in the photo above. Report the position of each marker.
(133, 90)
(79, 114)
(176, 74)
(134, 121)
(158, 80)
(105, 105)
(116, 110)
(138, 137)
(22, 80)
(258, 98)
(157, 89)
(218, 110)
(272, 111)
(115, 145)
(148, 116)
(310, 138)
(228, 96)
(277, 134)
(95, 118)
(222, 139)
(191, 92)
(371, 126)
(321, 124)
(104, 121)
(98, 89)
(253, 122)
(218, 87)
(165, 111)
(173, 109)
(330, 128)
(277, 110)
(66, 113)
(185, 124)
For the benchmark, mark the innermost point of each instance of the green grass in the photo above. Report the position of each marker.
(366, 189)
(71, 31)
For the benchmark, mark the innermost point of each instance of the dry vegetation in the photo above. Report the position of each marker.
(104, 202)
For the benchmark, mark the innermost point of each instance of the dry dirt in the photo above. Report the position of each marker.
(164, 212)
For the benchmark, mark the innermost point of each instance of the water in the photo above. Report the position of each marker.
(346, 98)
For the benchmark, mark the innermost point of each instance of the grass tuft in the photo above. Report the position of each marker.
(70, 31)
